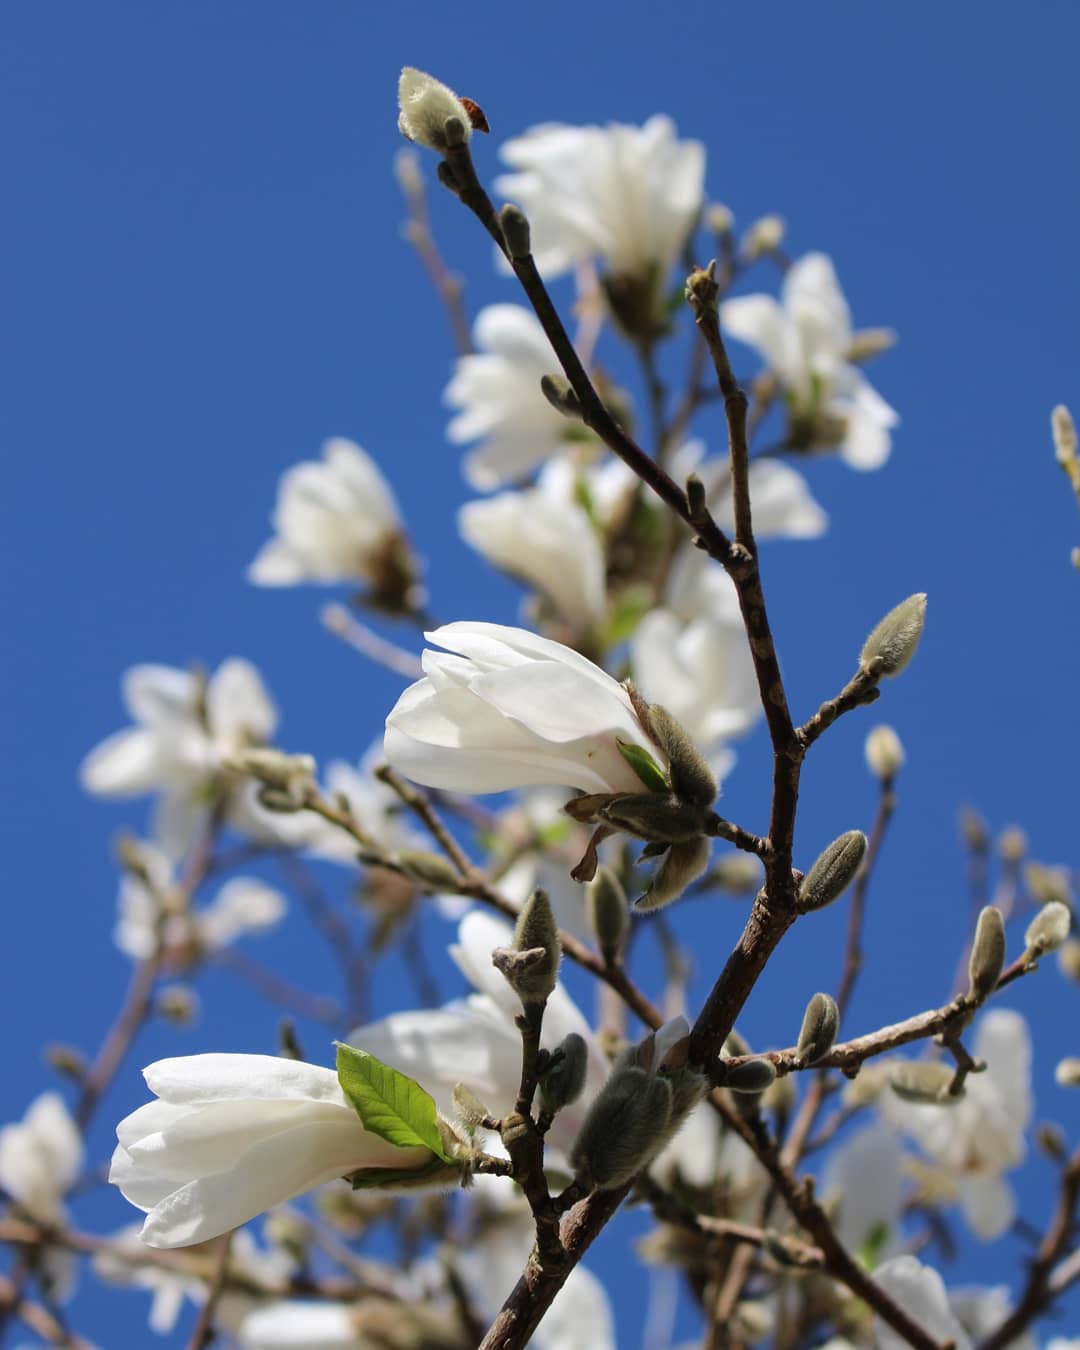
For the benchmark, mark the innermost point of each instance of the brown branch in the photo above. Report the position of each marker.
(203, 1332)
(853, 948)
(861, 688)
(1039, 1291)
(37, 1317)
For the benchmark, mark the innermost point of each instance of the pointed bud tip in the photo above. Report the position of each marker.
(893, 642)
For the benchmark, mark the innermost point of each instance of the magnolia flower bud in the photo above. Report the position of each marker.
(868, 342)
(924, 1081)
(1067, 1073)
(660, 817)
(719, 219)
(973, 829)
(755, 1075)
(1050, 1141)
(682, 865)
(892, 644)
(820, 1023)
(625, 1128)
(429, 869)
(1069, 958)
(559, 392)
(987, 954)
(1012, 844)
(430, 114)
(1047, 930)
(531, 968)
(468, 1108)
(833, 872)
(764, 236)
(607, 911)
(516, 232)
(692, 779)
(1045, 884)
(564, 1077)
(884, 752)
(286, 773)
(737, 874)
(178, 1004)
(1063, 429)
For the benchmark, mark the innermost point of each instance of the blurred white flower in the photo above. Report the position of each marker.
(375, 807)
(243, 905)
(40, 1157)
(783, 505)
(981, 1310)
(475, 1040)
(545, 537)
(185, 728)
(425, 104)
(233, 1135)
(334, 521)
(979, 1138)
(863, 1186)
(626, 195)
(510, 709)
(920, 1291)
(496, 390)
(805, 339)
(706, 1155)
(302, 1325)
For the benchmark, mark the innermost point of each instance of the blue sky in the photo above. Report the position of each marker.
(203, 277)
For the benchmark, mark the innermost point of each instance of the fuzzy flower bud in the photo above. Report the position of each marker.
(987, 954)
(1069, 959)
(764, 236)
(892, 644)
(718, 218)
(923, 1082)
(692, 780)
(429, 110)
(682, 865)
(531, 967)
(1012, 844)
(468, 1107)
(1048, 930)
(833, 872)
(559, 392)
(820, 1023)
(1063, 429)
(429, 869)
(625, 1128)
(564, 1077)
(516, 232)
(607, 911)
(1067, 1073)
(754, 1076)
(884, 752)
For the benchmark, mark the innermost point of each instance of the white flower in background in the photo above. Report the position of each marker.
(233, 1135)
(980, 1310)
(805, 339)
(425, 104)
(783, 505)
(705, 1154)
(41, 1157)
(185, 728)
(510, 709)
(302, 1325)
(496, 391)
(981, 1137)
(863, 1187)
(243, 905)
(475, 1040)
(544, 537)
(334, 521)
(627, 195)
(375, 807)
(920, 1291)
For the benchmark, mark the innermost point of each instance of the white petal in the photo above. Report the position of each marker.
(989, 1205)
(237, 703)
(920, 1291)
(190, 1079)
(243, 905)
(125, 764)
(299, 1326)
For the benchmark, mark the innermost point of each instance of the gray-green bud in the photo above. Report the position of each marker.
(833, 872)
(1048, 930)
(681, 866)
(564, 1077)
(892, 644)
(924, 1082)
(987, 954)
(468, 1107)
(660, 817)
(536, 929)
(516, 232)
(697, 498)
(754, 1075)
(559, 392)
(625, 1128)
(1067, 1073)
(691, 777)
(820, 1023)
(607, 911)
(429, 869)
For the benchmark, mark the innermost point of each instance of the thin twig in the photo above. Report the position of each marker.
(203, 1332)
(337, 619)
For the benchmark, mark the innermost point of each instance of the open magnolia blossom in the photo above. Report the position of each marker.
(921, 1292)
(233, 1135)
(508, 709)
(626, 195)
(41, 1157)
(863, 1189)
(496, 391)
(185, 729)
(783, 505)
(146, 922)
(475, 1040)
(805, 339)
(980, 1137)
(545, 537)
(335, 521)
(375, 807)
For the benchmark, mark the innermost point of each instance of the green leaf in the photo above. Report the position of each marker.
(873, 1246)
(390, 1104)
(644, 766)
(630, 608)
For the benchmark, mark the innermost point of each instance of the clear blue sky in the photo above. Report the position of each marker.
(202, 278)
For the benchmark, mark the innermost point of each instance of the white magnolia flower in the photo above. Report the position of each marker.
(783, 505)
(979, 1138)
(980, 1310)
(705, 1154)
(40, 1157)
(627, 195)
(302, 1325)
(475, 1040)
(375, 807)
(425, 105)
(545, 537)
(920, 1291)
(863, 1186)
(233, 1135)
(334, 521)
(243, 905)
(510, 709)
(805, 339)
(184, 730)
(496, 391)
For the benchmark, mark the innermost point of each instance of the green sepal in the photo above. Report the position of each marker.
(629, 610)
(390, 1104)
(644, 766)
(369, 1178)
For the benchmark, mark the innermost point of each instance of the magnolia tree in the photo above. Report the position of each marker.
(803, 1193)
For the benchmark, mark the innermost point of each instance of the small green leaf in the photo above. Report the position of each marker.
(629, 610)
(390, 1104)
(644, 766)
(873, 1246)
